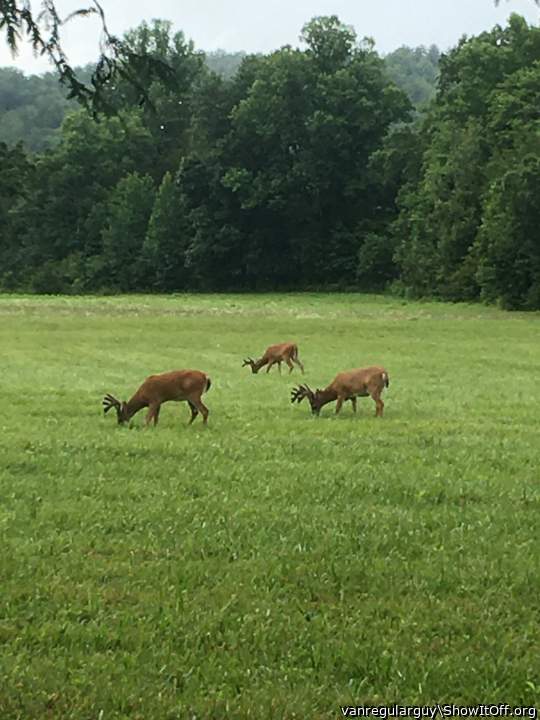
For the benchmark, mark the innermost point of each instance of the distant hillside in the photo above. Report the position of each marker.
(415, 71)
(224, 63)
(32, 107)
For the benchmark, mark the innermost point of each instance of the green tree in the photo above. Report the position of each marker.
(474, 128)
(60, 223)
(129, 209)
(508, 245)
(329, 42)
(15, 175)
(220, 255)
(395, 169)
(166, 242)
(168, 113)
(295, 165)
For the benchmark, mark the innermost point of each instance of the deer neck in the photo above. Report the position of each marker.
(327, 395)
(133, 406)
(258, 364)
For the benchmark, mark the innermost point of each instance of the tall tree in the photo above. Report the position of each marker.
(128, 213)
(60, 222)
(164, 249)
(292, 176)
(15, 176)
(167, 114)
(473, 130)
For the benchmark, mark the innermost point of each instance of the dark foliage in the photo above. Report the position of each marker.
(305, 168)
(466, 227)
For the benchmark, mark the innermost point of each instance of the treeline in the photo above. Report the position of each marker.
(304, 168)
(32, 108)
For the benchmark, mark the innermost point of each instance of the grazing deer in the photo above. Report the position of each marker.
(347, 386)
(177, 385)
(284, 352)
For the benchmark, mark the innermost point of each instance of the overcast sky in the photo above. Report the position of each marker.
(264, 25)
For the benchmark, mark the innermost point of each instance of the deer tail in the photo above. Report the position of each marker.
(386, 379)
(208, 384)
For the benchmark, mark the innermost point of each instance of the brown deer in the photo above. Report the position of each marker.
(347, 386)
(177, 385)
(284, 352)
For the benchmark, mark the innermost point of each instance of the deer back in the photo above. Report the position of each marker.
(281, 350)
(174, 385)
(359, 381)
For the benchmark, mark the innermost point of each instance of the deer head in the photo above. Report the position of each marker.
(304, 391)
(109, 401)
(253, 364)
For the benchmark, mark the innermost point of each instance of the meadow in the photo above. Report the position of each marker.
(273, 564)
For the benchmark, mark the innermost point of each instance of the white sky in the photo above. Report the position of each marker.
(264, 25)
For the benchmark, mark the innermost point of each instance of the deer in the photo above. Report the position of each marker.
(178, 385)
(348, 385)
(276, 354)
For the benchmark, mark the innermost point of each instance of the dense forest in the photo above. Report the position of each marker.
(324, 166)
(32, 108)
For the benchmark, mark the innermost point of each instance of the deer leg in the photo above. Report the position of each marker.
(199, 405)
(339, 404)
(353, 401)
(194, 411)
(297, 361)
(279, 366)
(376, 396)
(152, 414)
(269, 366)
(289, 363)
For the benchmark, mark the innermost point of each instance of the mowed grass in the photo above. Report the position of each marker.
(272, 565)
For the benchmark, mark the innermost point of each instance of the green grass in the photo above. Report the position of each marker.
(272, 565)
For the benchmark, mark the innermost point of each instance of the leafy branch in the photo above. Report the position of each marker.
(116, 59)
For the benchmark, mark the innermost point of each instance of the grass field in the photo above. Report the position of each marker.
(272, 565)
